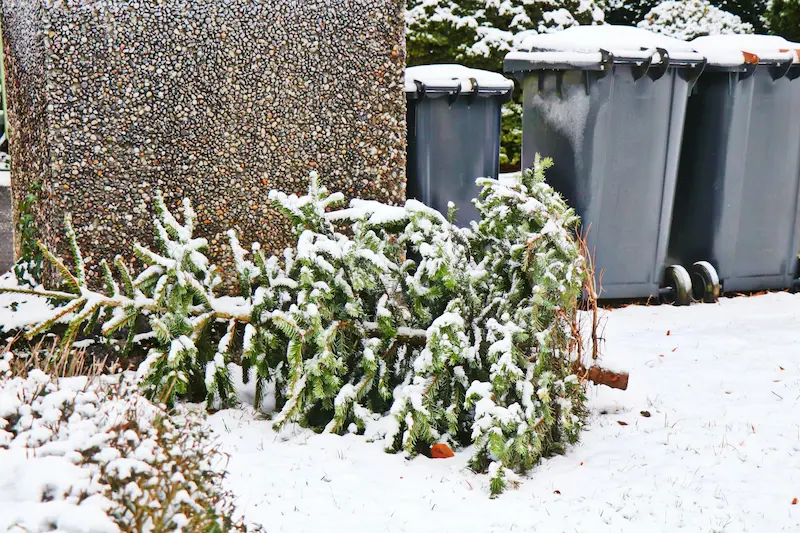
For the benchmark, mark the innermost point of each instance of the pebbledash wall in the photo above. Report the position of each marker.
(219, 101)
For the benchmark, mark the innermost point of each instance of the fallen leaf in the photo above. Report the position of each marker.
(675, 348)
(622, 423)
(581, 463)
(753, 428)
(794, 501)
(645, 414)
(781, 368)
(556, 492)
(668, 332)
(661, 355)
(727, 392)
(441, 451)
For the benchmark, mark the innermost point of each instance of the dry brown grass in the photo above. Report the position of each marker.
(58, 363)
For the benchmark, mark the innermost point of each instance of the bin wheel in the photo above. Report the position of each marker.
(679, 284)
(705, 282)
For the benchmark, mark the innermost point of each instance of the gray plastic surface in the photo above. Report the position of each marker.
(449, 147)
(615, 143)
(736, 202)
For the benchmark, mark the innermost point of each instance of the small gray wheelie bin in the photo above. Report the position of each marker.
(453, 118)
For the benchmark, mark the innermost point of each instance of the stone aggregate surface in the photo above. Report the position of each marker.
(219, 101)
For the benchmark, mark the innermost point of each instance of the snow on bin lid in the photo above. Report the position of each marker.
(453, 77)
(584, 43)
(767, 48)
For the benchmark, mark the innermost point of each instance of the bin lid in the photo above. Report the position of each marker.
(454, 80)
(593, 47)
(724, 50)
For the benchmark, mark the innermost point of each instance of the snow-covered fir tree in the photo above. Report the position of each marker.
(383, 320)
(687, 19)
(478, 33)
(631, 12)
(753, 12)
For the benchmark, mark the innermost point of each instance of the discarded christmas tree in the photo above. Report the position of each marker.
(385, 320)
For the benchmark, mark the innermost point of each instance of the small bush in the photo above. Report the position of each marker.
(687, 19)
(92, 454)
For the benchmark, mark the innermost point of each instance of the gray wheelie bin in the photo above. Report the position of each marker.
(735, 222)
(453, 120)
(608, 103)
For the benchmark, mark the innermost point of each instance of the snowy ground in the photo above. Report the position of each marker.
(719, 451)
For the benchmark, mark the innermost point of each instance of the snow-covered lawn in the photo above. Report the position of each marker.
(719, 451)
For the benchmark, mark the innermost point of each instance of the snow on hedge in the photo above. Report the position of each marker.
(94, 456)
(687, 19)
(464, 29)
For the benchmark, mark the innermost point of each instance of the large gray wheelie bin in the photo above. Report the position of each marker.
(735, 222)
(453, 134)
(608, 103)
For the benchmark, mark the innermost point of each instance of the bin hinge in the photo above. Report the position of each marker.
(748, 69)
(780, 70)
(606, 62)
(453, 96)
(658, 72)
(473, 95)
(639, 71)
(421, 89)
(695, 73)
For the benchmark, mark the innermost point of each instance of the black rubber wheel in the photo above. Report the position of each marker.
(679, 281)
(705, 282)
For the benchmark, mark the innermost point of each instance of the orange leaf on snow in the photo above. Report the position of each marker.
(794, 501)
(441, 451)
(622, 423)
(668, 332)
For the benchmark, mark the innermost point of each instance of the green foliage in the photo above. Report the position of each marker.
(28, 269)
(784, 19)
(478, 33)
(449, 335)
(511, 137)
(628, 12)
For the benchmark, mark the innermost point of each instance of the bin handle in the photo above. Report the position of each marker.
(606, 62)
(659, 71)
(452, 97)
(421, 89)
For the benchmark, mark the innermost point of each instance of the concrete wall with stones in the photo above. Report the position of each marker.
(219, 101)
